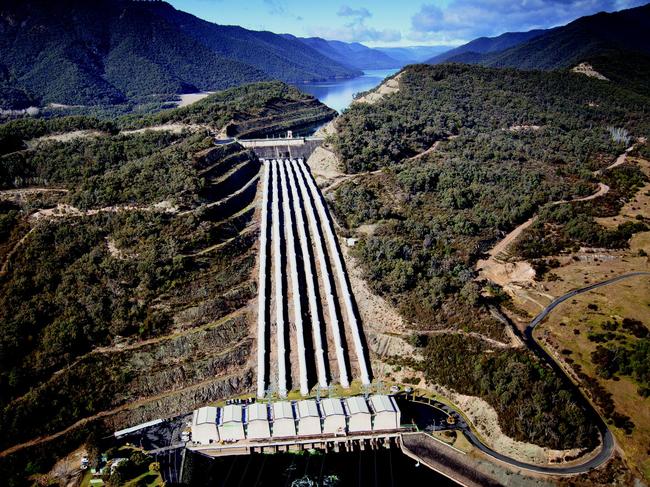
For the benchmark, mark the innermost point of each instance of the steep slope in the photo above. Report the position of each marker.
(624, 31)
(254, 110)
(137, 254)
(72, 52)
(351, 54)
(437, 179)
(281, 57)
(484, 45)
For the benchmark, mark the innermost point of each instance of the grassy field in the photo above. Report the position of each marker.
(567, 332)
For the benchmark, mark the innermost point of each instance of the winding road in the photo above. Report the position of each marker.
(608, 442)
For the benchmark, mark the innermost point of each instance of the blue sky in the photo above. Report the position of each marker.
(398, 22)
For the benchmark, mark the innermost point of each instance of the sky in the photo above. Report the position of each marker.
(398, 22)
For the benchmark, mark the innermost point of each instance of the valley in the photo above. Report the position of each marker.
(236, 254)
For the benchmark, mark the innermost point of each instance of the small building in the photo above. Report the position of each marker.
(231, 423)
(308, 418)
(359, 418)
(204, 425)
(386, 415)
(257, 421)
(333, 415)
(284, 424)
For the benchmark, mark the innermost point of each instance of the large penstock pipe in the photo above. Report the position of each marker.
(261, 286)
(310, 283)
(295, 284)
(322, 262)
(279, 294)
(340, 272)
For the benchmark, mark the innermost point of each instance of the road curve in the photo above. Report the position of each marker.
(608, 444)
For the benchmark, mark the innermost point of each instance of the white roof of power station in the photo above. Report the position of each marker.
(286, 415)
(332, 407)
(207, 414)
(282, 410)
(232, 413)
(382, 403)
(357, 405)
(257, 412)
(308, 408)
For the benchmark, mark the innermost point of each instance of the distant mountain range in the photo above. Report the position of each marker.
(619, 34)
(75, 52)
(352, 54)
(412, 54)
(484, 45)
(108, 51)
(358, 56)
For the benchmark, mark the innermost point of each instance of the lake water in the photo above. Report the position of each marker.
(339, 94)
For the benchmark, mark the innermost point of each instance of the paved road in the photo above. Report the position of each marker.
(608, 439)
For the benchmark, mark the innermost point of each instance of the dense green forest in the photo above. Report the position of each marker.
(509, 143)
(114, 51)
(532, 402)
(436, 102)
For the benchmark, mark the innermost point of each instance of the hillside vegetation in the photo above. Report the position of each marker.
(508, 143)
(256, 109)
(112, 51)
(126, 270)
(616, 42)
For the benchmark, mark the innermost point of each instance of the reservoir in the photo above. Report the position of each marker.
(339, 94)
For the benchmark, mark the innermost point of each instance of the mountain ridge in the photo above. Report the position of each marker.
(483, 45)
(353, 54)
(611, 34)
(116, 50)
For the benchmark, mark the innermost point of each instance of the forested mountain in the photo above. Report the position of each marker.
(467, 153)
(588, 37)
(351, 54)
(279, 56)
(75, 52)
(158, 256)
(484, 45)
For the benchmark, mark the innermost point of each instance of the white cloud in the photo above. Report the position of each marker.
(359, 33)
(358, 13)
(468, 19)
(356, 29)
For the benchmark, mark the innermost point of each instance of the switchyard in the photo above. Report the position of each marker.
(308, 333)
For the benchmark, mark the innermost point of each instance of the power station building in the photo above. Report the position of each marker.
(386, 414)
(333, 415)
(231, 423)
(284, 423)
(204, 425)
(286, 419)
(308, 418)
(257, 421)
(359, 418)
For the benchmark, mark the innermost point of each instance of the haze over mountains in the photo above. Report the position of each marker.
(354, 54)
